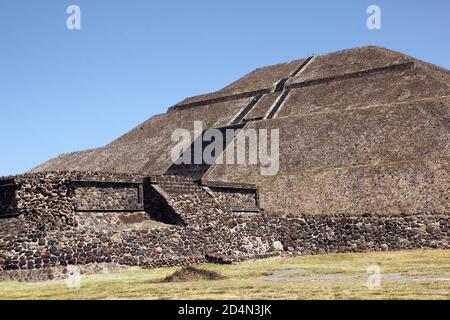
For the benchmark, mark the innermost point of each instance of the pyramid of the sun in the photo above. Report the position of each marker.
(361, 130)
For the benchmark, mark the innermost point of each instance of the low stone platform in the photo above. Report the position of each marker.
(47, 230)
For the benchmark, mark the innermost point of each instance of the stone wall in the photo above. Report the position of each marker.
(49, 232)
(230, 239)
(237, 200)
(52, 198)
(49, 200)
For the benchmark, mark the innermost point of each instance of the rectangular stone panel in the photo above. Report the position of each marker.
(237, 199)
(107, 196)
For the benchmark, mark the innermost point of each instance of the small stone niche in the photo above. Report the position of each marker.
(107, 196)
(8, 200)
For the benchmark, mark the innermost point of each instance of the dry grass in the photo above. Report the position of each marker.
(188, 274)
(424, 274)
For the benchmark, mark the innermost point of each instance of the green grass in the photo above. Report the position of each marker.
(248, 280)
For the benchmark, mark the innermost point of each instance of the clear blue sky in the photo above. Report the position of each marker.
(64, 90)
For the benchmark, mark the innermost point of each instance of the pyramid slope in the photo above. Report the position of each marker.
(145, 149)
(261, 80)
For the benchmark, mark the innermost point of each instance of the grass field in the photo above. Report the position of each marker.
(416, 274)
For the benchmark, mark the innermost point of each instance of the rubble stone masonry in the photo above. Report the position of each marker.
(48, 231)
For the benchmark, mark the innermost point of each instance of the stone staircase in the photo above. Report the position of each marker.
(259, 102)
(186, 198)
(190, 203)
(194, 170)
(176, 184)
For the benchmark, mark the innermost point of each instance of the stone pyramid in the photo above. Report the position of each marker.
(361, 130)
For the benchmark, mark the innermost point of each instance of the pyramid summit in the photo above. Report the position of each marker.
(363, 164)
